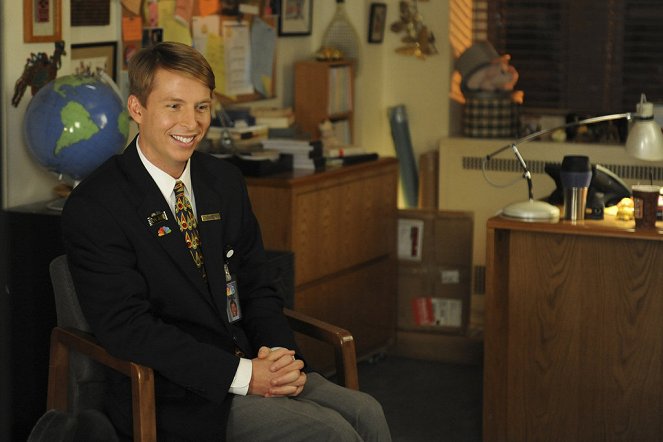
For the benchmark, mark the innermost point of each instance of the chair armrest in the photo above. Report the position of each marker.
(341, 340)
(142, 378)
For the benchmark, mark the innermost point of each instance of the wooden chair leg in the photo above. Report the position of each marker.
(143, 404)
(58, 374)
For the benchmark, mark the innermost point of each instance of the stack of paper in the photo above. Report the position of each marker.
(249, 137)
(306, 154)
(272, 117)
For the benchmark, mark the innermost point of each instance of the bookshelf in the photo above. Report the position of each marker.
(325, 90)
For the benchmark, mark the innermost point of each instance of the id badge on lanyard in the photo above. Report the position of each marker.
(233, 310)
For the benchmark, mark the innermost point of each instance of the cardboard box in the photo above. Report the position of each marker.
(434, 298)
(429, 236)
(435, 271)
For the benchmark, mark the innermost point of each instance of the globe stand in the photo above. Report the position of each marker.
(62, 190)
(56, 205)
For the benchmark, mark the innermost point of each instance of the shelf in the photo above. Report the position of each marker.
(324, 90)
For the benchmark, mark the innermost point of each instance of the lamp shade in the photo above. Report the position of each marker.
(645, 139)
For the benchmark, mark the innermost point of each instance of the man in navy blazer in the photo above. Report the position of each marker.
(220, 372)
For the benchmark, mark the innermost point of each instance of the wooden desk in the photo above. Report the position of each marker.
(341, 225)
(573, 332)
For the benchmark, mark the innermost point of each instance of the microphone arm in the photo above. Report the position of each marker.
(535, 135)
(514, 146)
(526, 173)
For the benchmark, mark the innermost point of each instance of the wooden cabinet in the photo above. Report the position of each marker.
(325, 90)
(28, 315)
(341, 226)
(573, 333)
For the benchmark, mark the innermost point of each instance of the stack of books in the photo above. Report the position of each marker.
(274, 117)
(248, 138)
(305, 154)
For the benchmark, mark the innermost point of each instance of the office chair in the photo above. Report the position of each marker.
(76, 382)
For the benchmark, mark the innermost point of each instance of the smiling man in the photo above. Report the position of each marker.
(168, 263)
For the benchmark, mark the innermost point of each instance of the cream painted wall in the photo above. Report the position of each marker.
(421, 85)
(385, 79)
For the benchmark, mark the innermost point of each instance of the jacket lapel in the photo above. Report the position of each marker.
(209, 208)
(156, 215)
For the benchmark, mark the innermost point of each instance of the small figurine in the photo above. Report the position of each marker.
(327, 135)
(419, 40)
(327, 53)
(484, 70)
(498, 75)
(38, 71)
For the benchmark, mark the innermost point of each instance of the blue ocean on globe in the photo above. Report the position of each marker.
(74, 123)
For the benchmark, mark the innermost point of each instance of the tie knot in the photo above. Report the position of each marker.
(179, 188)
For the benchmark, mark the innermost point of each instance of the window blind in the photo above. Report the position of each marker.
(585, 56)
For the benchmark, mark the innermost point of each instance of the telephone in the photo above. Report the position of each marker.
(606, 189)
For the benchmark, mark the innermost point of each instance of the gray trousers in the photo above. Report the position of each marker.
(324, 411)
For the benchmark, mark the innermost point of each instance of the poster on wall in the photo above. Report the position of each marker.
(92, 57)
(295, 17)
(42, 20)
(90, 12)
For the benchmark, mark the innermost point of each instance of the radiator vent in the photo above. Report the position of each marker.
(624, 171)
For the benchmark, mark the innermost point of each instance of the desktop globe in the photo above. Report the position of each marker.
(74, 123)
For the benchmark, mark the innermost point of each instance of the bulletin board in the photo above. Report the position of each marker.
(238, 39)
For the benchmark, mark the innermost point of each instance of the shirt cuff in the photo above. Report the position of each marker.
(240, 383)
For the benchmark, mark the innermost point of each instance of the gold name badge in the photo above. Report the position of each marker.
(210, 217)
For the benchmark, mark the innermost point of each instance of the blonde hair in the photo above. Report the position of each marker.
(171, 56)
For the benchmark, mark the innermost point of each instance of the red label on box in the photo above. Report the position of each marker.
(442, 312)
(423, 311)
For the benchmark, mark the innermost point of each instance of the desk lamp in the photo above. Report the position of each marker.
(644, 141)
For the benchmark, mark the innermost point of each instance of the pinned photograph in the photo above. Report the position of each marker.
(295, 17)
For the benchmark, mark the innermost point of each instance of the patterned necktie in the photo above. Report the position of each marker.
(188, 226)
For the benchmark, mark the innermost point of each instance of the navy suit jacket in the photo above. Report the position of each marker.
(146, 301)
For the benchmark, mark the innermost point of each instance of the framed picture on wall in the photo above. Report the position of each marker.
(42, 20)
(295, 17)
(378, 18)
(87, 58)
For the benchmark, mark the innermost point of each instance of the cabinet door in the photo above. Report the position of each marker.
(363, 301)
(344, 225)
(34, 239)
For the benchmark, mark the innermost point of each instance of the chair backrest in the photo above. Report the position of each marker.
(68, 310)
(88, 380)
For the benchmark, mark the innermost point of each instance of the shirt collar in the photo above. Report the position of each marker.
(165, 182)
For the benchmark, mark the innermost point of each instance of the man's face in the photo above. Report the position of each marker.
(173, 121)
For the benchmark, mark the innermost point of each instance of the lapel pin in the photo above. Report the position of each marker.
(156, 217)
(164, 230)
(211, 217)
